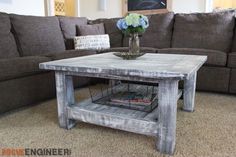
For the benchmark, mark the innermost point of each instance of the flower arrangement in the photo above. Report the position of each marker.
(133, 23)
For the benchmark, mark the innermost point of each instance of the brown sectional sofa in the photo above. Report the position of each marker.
(26, 41)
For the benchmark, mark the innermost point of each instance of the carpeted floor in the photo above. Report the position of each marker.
(208, 132)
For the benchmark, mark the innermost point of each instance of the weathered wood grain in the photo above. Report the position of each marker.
(128, 113)
(114, 117)
(154, 114)
(65, 97)
(167, 94)
(152, 66)
(189, 92)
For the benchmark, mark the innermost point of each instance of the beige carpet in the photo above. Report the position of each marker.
(208, 132)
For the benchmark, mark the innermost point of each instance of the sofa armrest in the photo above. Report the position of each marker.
(232, 60)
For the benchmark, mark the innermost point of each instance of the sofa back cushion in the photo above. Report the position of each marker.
(38, 35)
(68, 27)
(159, 32)
(233, 49)
(115, 35)
(204, 30)
(96, 29)
(8, 46)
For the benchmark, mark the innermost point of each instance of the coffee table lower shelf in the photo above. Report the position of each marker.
(115, 117)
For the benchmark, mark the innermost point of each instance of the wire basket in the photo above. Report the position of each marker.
(126, 95)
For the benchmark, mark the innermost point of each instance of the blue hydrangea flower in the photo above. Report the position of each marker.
(144, 22)
(118, 24)
(121, 24)
(124, 25)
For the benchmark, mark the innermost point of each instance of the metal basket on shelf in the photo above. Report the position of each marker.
(126, 95)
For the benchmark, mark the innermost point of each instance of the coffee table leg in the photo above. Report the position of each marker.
(167, 101)
(65, 97)
(189, 92)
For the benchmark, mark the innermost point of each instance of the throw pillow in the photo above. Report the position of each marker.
(96, 29)
(92, 42)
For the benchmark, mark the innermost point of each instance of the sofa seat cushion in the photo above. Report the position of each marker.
(20, 66)
(232, 60)
(38, 35)
(8, 46)
(68, 27)
(159, 32)
(215, 58)
(71, 54)
(204, 30)
(126, 49)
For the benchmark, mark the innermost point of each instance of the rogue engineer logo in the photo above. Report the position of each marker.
(34, 152)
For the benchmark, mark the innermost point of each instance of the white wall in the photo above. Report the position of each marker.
(23, 7)
(89, 8)
(188, 6)
(209, 5)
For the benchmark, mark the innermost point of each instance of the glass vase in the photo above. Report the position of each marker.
(134, 43)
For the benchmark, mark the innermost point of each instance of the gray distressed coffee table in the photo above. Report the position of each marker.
(166, 70)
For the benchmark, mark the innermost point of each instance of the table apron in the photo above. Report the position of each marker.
(125, 78)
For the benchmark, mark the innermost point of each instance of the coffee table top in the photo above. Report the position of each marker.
(147, 66)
